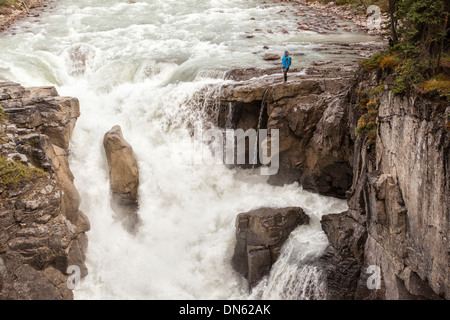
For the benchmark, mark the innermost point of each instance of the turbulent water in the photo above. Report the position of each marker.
(139, 65)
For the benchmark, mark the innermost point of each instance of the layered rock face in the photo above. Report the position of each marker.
(344, 256)
(408, 200)
(42, 231)
(260, 234)
(399, 201)
(124, 177)
(12, 10)
(315, 147)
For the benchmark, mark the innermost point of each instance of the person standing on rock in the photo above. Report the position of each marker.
(286, 64)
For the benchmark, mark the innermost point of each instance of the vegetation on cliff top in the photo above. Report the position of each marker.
(7, 7)
(420, 58)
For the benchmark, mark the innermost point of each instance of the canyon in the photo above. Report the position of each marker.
(397, 191)
(200, 223)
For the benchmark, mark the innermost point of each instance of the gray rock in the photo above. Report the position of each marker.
(400, 198)
(260, 234)
(19, 281)
(343, 259)
(41, 229)
(310, 113)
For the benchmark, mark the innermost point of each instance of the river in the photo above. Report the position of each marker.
(139, 65)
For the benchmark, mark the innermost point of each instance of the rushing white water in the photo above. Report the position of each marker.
(139, 65)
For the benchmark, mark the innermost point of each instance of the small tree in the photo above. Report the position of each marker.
(423, 29)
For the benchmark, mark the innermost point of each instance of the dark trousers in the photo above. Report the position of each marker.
(285, 71)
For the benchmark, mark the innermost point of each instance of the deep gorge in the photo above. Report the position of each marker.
(384, 205)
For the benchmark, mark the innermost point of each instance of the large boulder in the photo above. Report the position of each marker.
(271, 56)
(124, 177)
(260, 234)
(42, 110)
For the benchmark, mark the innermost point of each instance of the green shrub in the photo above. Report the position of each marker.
(411, 72)
(367, 125)
(368, 122)
(377, 90)
(438, 85)
(373, 62)
(14, 172)
(8, 3)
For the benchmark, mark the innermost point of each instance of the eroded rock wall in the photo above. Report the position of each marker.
(42, 231)
(400, 196)
(398, 191)
(315, 147)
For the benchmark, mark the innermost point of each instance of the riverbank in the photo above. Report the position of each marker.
(12, 10)
(331, 17)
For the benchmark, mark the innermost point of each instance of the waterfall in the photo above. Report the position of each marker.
(230, 114)
(153, 67)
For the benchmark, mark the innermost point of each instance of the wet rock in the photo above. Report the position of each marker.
(124, 177)
(343, 259)
(321, 63)
(271, 56)
(260, 234)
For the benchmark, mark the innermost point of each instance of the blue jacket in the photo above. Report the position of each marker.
(286, 62)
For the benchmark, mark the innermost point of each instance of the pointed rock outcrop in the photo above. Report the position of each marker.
(124, 178)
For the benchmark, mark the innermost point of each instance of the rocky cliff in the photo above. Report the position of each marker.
(260, 234)
(42, 231)
(310, 113)
(12, 10)
(400, 196)
(398, 189)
